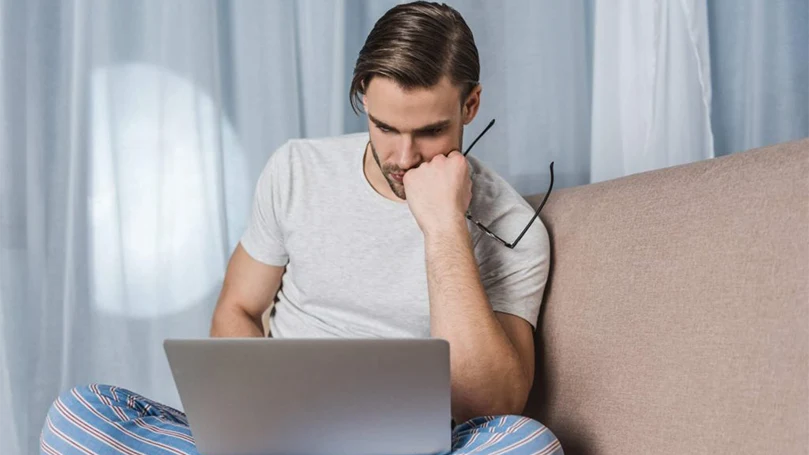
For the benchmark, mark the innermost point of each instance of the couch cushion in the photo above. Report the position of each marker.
(676, 318)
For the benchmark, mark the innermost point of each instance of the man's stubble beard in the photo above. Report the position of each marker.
(397, 188)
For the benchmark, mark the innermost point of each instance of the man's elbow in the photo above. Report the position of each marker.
(510, 399)
(504, 406)
(230, 318)
(515, 396)
(514, 402)
(514, 392)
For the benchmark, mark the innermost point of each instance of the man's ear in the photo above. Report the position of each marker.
(472, 104)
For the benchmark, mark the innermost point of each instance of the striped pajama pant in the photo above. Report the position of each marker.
(99, 419)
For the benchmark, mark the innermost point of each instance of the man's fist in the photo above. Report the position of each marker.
(439, 192)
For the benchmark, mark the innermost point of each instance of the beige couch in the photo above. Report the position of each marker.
(676, 318)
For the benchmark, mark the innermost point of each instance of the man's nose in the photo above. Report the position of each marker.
(407, 154)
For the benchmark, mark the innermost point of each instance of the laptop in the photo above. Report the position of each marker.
(263, 396)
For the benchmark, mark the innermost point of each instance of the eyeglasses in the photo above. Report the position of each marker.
(486, 230)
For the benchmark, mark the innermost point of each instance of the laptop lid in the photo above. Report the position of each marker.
(314, 396)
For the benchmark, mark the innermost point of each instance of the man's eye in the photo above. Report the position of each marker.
(384, 129)
(433, 132)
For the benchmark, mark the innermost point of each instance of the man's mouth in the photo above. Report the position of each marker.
(397, 177)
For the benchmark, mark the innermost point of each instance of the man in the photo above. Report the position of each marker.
(366, 235)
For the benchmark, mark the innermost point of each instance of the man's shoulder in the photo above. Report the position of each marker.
(302, 162)
(312, 155)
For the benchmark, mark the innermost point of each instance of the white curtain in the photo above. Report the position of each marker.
(131, 134)
(651, 86)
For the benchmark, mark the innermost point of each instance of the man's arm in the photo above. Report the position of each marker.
(249, 289)
(491, 356)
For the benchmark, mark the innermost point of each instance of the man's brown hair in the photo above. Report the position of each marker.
(415, 45)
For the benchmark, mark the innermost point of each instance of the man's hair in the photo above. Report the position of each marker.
(415, 45)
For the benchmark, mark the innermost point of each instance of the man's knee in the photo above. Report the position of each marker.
(507, 434)
(71, 403)
(64, 414)
(79, 398)
(529, 433)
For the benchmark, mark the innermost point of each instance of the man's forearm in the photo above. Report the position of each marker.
(234, 322)
(486, 374)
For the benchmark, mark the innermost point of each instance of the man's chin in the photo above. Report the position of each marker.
(398, 189)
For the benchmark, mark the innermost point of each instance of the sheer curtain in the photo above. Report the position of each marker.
(131, 134)
(651, 86)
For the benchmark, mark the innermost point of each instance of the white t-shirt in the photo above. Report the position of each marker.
(354, 260)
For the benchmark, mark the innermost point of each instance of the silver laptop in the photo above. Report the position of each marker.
(263, 396)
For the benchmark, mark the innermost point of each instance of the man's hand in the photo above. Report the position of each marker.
(439, 192)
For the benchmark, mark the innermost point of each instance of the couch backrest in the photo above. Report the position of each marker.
(676, 318)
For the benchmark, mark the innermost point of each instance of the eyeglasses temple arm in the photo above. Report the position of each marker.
(536, 214)
(468, 149)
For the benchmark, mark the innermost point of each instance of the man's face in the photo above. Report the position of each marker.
(410, 127)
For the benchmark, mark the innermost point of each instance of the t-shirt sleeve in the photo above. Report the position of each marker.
(264, 239)
(515, 279)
